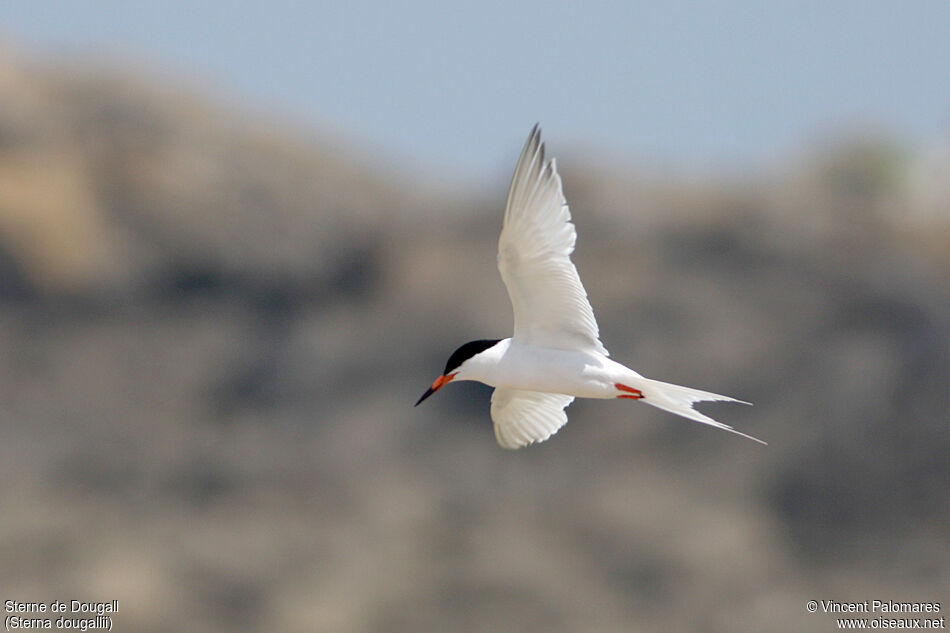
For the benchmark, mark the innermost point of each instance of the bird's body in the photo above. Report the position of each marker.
(555, 354)
(580, 373)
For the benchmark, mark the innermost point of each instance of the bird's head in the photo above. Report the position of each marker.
(456, 364)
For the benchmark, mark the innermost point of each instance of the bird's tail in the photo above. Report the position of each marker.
(679, 400)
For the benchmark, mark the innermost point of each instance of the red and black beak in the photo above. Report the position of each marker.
(440, 382)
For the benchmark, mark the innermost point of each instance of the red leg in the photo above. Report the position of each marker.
(635, 394)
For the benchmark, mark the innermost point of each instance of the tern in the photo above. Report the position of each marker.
(555, 354)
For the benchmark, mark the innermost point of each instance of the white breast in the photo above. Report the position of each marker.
(575, 373)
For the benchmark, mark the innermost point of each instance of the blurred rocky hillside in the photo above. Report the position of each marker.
(213, 328)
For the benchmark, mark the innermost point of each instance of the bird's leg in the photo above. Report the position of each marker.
(632, 394)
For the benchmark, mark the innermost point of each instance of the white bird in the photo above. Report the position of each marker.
(555, 353)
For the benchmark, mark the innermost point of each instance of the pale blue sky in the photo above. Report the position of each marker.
(455, 86)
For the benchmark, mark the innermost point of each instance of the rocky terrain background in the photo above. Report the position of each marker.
(213, 327)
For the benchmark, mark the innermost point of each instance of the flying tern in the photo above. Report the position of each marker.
(555, 353)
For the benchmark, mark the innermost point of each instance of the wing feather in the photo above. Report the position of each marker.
(525, 417)
(534, 257)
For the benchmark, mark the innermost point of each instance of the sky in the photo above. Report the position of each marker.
(454, 87)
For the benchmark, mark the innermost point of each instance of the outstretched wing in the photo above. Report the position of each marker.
(525, 417)
(534, 257)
